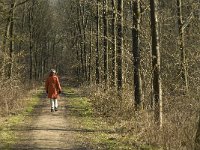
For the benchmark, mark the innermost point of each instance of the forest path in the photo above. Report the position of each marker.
(75, 126)
(49, 130)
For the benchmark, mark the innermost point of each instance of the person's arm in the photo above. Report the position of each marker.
(58, 86)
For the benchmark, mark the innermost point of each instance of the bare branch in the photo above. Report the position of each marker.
(21, 3)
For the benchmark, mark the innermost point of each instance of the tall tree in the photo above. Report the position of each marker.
(197, 138)
(11, 35)
(97, 43)
(90, 54)
(114, 45)
(136, 52)
(157, 91)
(105, 41)
(31, 11)
(184, 73)
(83, 22)
(119, 45)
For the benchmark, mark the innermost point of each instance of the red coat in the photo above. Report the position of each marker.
(52, 86)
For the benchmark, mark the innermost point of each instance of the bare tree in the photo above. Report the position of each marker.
(113, 32)
(97, 43)
(105, 43)
(31, 40)
(136, 52)
(184, 73)
(157, 91)
(119, 45)
(11, 43)
(197, 138)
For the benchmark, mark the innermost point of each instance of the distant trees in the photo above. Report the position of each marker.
(8, 40)
(28, 35)
(126, 48)
(116, 46)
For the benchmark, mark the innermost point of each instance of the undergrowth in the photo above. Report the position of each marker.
(7, 135)
(102, 132)
(180, 114)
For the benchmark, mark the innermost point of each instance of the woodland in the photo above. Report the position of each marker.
(137, 60)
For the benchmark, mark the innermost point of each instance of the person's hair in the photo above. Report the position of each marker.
(52, 71)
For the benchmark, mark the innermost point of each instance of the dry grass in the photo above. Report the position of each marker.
(180, 115)
(13, 97)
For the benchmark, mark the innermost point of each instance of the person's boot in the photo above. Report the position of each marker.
(56, 108)
(52, 110)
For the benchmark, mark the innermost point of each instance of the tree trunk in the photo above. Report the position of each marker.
(78, 61)
(81, 41)
(197, 138)
(36, 63)
(157, 92)
(119, 46)
(82, 27)
(105, 42)
(4, 47)
(136, 53)
(31, 42)
(85, 54)
(97, 44)
(90, 55)
(11, 43)
(6, 33)
(23, 21)
(114, 45)
(184, 73)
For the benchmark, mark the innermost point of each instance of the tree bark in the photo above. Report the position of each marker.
(197, 138)
(31, 42)
(157, 92)
(114, 44)
(82, 27)
(105, 42)
(119, 45)
(78, 70)
(81, 51)
(90, 54)
(97, 44)
(11, 43)
(184, 73)
(136, 53)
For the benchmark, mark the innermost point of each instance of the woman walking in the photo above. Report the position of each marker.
(53, 89)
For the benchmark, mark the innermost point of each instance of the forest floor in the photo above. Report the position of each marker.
(72, 127)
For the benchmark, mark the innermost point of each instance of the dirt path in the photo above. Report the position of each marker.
(48, 130)
(73, 127)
